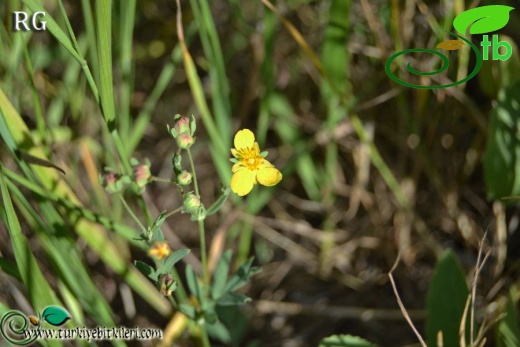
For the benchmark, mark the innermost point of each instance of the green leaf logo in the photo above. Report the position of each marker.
(485, 19)
(55, 315)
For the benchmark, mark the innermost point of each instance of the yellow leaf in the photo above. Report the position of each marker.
(451, 45)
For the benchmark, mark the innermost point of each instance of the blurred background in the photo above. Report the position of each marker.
(372, 169)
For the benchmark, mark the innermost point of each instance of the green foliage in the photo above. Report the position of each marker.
(502, 156)
(345, 341)
(507, 331)
(447, 295)
(71, 94)
(40, 292)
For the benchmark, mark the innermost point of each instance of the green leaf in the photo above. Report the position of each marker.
(104, 50)
(188, 311)
(172, 259)
(241, 276)
(193, 283)
(177, 163)
(345, 341)
(508, 329)
(54, 29)
(146, 270)
(447, 295)
(193, 125)
(210, 317)
(9, 268)
(55, 315)
(219, 331)
(155, 229)
(220, 201)
(39, 290)
(502, 156)
(509, 68)
(232, 299)
(485, 19)
(221, 275)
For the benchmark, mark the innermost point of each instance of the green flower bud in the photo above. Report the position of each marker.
(194, 207)
(191, 202)
(185, 141)
(182, 125)
(141, 174)
(113, 182)
(184, 178)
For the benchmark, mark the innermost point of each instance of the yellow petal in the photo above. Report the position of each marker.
(265, 164)
(244, 139)
(269, 176)
(256, 148)
(234, 152)
(237, 167)
(243, 181)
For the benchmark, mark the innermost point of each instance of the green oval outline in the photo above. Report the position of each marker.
(444, 66)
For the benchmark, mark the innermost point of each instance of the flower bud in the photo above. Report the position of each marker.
(184, 178)
(191, 202)
(167, 285)
(185, 141)
(113, 182)
(141, 174)
(182, 125)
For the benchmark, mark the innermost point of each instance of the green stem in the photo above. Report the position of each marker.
(169, 214)
(204, 335)
(202, 233)
(205, 277)
(194, 173)
(132, 214)
(122, 151)
(173, 301)
(160, 179)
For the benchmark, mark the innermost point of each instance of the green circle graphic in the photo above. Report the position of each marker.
(16, 322)
(445, 64)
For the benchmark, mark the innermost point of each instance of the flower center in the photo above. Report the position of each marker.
(250, 158)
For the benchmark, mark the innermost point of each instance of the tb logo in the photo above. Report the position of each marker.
(20, 18)
(496, 45)
(478, 20)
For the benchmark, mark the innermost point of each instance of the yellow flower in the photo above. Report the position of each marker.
(159, 250)
(250, 165)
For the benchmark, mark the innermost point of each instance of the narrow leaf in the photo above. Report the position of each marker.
(221, 275)
(193, 283)
(220, 202)
(242, 276)
(39, 290)
(187, 310)
(231, 299)
(172, 259)
(146, 270)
